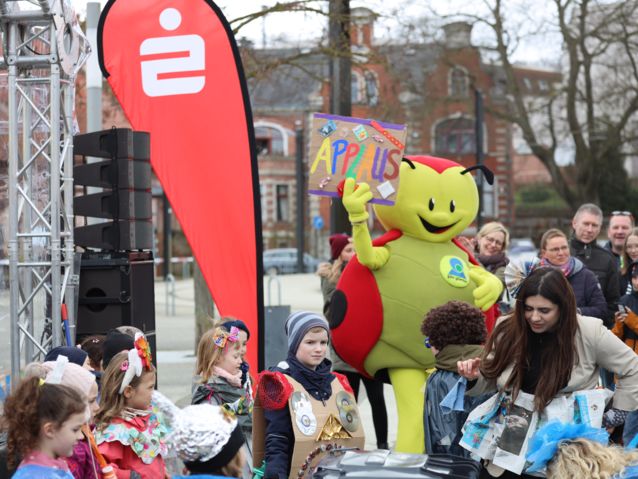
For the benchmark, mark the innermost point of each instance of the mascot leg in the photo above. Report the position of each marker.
(408, 385)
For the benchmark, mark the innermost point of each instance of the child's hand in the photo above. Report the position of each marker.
(469, 368)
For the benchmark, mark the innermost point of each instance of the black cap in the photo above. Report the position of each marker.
(115, 342)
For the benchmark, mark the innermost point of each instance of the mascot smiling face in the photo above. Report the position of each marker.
(394, 281)
(436, 200)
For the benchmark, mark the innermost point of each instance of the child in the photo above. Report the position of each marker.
(244, 335)
(219, 375)
(585, 458)
(83, 463)
(130, 434)
(75, 355)
(209, 441)
(303, 388)
(44, 422)
(455, 331)
(626, 328)
(93, 346)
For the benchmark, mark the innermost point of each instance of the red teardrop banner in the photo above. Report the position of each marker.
(175, 68)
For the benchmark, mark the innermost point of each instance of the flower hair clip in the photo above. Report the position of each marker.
(139, 358)
(143, 350)
(220, 340)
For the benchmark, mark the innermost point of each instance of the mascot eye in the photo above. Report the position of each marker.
(452, 206)
(431, 204)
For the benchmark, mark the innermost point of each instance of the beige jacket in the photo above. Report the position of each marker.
(597, 347)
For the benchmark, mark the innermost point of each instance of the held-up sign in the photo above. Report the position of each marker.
(367, 150)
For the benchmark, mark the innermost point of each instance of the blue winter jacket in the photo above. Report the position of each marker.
(589, 297)
(280, 438)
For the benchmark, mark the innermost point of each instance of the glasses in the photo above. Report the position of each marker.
(493, 241)
(559, 249)
(622, 213)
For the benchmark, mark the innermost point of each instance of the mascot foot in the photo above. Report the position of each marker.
(408, 385)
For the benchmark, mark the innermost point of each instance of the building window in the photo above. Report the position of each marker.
(543, 85)
(372, 89)
(458, 82)
(455, 136)
(355, 88)
(528, 83)
(269, 141)
(283, 203)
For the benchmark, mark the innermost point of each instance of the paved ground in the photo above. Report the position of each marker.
(176, 337)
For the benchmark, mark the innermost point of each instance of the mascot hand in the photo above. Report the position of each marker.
(489, 288)
(355, 200)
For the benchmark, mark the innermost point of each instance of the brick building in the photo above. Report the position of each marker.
(430, 87)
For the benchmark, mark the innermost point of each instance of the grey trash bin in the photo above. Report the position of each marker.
(275, 342)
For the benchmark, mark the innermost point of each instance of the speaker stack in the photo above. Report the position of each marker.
(116, 270)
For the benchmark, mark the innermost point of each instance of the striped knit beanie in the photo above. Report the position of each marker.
(299, 323)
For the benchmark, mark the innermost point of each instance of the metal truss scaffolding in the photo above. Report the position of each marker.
(43, 48)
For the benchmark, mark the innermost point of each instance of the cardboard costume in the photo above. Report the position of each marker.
(335, 422)
(391, 284)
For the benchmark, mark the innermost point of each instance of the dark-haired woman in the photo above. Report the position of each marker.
(546, 349)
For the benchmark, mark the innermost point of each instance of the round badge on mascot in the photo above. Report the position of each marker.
(387, 289)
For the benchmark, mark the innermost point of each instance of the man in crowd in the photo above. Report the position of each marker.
(620, 224)
(587, 223)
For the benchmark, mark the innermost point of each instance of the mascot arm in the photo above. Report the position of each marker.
(372, 257)
(355, 200)
(489, 287)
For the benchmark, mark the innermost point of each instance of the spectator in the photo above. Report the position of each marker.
(629, 256)
(620, 224)
(587, 223)
(491, 242)
(555, 252)
(545, 348)
(342, 251)
(626, 328)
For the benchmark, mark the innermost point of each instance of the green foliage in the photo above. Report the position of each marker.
(614, 189)
(539, 195)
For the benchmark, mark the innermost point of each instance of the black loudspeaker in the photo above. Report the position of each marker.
(116, 289)
(126, 196)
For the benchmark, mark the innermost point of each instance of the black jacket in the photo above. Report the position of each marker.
(280, 438)
(603, 264)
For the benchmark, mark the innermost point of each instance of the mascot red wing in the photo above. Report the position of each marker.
(392, 283)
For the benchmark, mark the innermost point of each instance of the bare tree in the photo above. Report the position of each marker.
(594, 106)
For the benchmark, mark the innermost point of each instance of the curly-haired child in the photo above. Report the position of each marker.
(454, 331)
(44, 421)
(85, 462)
(129, 433)
(219, 375)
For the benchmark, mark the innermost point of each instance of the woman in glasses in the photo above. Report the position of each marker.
(490, 245)
(555, 252)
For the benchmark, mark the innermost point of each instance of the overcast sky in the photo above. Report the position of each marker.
(303, 27)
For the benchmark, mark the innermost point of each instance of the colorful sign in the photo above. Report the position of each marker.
(175, 68)
(367, 150)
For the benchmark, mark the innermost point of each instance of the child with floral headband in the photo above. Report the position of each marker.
(218, 379)
(129, 432)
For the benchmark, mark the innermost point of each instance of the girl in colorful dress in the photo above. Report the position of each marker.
(129, 433)
(44, 422)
